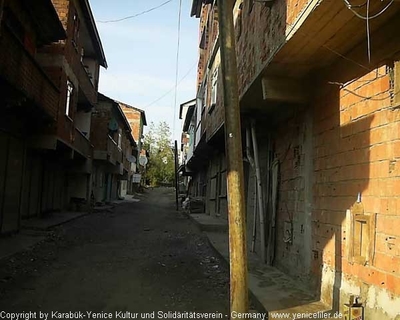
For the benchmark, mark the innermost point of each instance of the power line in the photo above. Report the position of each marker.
(173, 88)
(368, 34)
(135, 15)
(177, 65)
(350, 7)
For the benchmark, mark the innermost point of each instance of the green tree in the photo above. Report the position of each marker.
(161, 165)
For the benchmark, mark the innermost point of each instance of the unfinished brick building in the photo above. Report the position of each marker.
(321, 100)
(114, 151)
(137, 120)
(50, 59)
(29, 100)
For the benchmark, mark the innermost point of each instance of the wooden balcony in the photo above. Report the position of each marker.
(20, 70)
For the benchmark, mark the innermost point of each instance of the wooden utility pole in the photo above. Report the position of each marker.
(233, 146)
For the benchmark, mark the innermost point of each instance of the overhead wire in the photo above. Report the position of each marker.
(368, 17)
(368, 34)
(173, 88)
(342, 86)
(135, 15)
(177, 64)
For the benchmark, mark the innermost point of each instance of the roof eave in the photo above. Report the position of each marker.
(94, 33)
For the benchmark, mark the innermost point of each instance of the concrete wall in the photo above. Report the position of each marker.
(293, 149)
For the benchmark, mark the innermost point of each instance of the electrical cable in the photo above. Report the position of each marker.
(359, 5)
(135, 15)
(335, 52)
(350, 7)
(368, 34)
(177, 65)
(342, 86)
(173, 88)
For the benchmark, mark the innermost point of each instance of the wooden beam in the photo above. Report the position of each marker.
(284, 90)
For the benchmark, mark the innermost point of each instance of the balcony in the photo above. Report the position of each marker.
(87, 91)
(20, 70)
(82, 144)
(127, 164)
(114, 153)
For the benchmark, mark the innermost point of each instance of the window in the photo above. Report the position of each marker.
(214, 84)
(70, 94)
(204, 96)
(119, 138)
(360, 235)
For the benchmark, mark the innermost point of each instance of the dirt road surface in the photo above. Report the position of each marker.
(140, 257)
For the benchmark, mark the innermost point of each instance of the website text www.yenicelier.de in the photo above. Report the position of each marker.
(164, 315)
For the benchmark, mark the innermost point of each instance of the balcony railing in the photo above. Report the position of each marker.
(82, 144)
(113, 151)
(20, 69)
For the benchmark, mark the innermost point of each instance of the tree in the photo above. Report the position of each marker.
(161, 166)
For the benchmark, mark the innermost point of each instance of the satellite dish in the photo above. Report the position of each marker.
(132, 159)
(113, 125)
(143, 160)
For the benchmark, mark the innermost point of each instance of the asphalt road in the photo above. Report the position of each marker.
(140, 257)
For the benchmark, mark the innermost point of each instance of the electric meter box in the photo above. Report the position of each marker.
(352, 312)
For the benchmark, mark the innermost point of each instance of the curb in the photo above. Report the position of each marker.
(252, 297)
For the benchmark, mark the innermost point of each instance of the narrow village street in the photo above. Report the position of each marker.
(141, 256)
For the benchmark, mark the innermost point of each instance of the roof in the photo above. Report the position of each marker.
(196, 7)
(143, 113)
(94, 34)
(46, 20)
(185, 104)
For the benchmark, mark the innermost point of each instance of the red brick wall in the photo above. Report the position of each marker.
(72, 51)
(134, 119)
(99, 127)
(62, 8)
(19, 67)
(355, 149)
(262, 33)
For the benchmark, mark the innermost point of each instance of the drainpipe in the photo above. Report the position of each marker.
(274, 203)
(251, 161)
(259, 189)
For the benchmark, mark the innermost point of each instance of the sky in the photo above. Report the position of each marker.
(141, 56)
